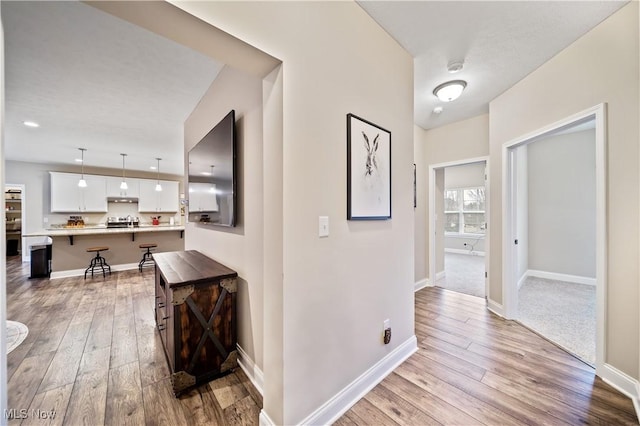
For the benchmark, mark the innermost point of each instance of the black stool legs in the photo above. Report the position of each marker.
(98, 262)
(146, 256)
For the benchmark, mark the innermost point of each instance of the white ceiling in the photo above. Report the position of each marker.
(94, 81)
(500, 42)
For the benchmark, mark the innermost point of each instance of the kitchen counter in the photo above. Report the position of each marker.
(69, 247)
(103, 230)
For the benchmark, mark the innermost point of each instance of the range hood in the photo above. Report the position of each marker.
(122, 199)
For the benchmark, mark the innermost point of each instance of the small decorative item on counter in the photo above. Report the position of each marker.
(155, 220)
(75, 222)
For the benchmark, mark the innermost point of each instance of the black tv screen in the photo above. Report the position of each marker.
(212, 176)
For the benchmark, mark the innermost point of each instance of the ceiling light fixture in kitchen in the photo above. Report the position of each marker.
(82, 183)
(30, 124)
(158, 186)
(123, 185)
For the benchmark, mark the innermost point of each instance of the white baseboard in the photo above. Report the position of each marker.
(624, 383)
(441, 275)
(265, 420)
(250, 368)
(495, 307)
(340, 403)
(522, 279)
(419, 285)
(561, 277)
(80, 272)
(467, 252)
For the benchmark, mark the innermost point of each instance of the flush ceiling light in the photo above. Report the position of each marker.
(158, 186)
(30, 124)
(123, 185)
(82, 183)
(438, 110)
(450, 90)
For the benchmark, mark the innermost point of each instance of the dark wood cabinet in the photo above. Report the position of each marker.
(196, 316)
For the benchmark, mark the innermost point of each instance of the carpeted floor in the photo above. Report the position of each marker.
(564, 313)
(464, 273)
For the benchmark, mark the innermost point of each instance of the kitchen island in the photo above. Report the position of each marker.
(69, 248)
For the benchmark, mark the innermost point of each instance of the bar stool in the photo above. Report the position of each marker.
(146, 257)
(98, 261)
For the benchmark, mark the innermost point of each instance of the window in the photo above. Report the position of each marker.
(464, 211)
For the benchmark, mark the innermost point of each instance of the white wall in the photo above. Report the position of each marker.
(240, 248)
(337, 291)
(454, 142)
(601, 66)
(464, 176)
(562, 204)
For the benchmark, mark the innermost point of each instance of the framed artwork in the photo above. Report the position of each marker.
(368, 170)
(415, 192)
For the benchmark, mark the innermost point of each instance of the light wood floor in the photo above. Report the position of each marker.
(473, 368)
(93, 355)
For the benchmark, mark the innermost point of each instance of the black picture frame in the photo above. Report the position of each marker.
(368, 170)
(415, 189)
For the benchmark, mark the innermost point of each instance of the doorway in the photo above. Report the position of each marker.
(554, 233)
(458, 213)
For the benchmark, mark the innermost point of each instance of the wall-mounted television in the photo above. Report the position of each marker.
(212, 176)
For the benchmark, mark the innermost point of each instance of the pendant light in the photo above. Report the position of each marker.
(158, 186)
(82, 183)
(123, 185)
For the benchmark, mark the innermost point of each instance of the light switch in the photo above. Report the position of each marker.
(323, 226)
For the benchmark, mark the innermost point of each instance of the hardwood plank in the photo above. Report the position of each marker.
(94, 361)
(151, 358)
(257, 397)
(124, 396)
(201, 407)
(576, 410)
(88, 399)
(124, 346)
(243, 412)
(398, 408)
(228, 390)
(470, 405)
(25, 381)
(444, 412)
(64, 367)
(101, 330)
(369, 414)
(53, 403)
(161, 405)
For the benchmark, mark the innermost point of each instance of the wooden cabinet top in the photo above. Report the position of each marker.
(179, 268)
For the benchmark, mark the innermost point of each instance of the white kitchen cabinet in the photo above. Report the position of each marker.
(67, 196)
(114, 191)
(202, 197)
(152, 201)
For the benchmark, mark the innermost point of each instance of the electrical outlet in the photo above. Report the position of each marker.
(387, 336)
(386, 331)
(46, 220)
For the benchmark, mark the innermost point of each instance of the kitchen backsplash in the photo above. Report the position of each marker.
(114, 210)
